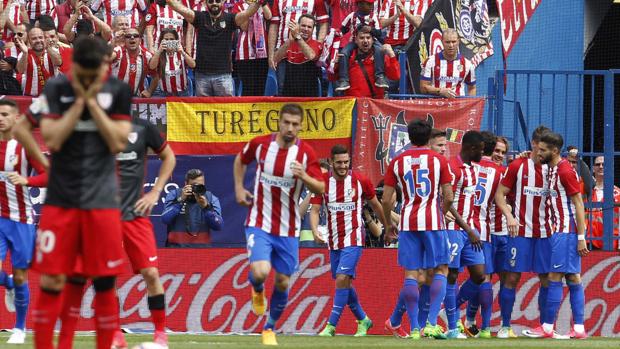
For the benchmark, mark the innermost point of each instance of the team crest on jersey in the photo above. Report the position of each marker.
(133, 137)
(223, 24)
(133, 67)
(13, 160)
(148, 17)
(350, 193)
(104, 99)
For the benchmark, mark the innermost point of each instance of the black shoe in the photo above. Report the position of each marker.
(472, 331)
(381, 82)
(342, 85)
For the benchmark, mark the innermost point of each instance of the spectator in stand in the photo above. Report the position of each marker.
(8, 83)
(595, 226)
(339, 10)
(251, 53)
(46, 23)
(115, 8)
(38, 64)
(158, 18)
(445, 73)
(119, 25)
(36, 8)
(215, 30)
(284, 12)
(364, 16)
(301, 53)
(20, 30)
(191, 37)
(12, 13)
(170, 61)
(130, 63)
(362, 64)
(585, 176)
(501, 148)
(82, 12)
(400, 18)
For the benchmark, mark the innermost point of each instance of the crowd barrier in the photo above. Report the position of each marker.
(207, 291)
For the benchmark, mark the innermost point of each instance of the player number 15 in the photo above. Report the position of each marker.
(421, 184)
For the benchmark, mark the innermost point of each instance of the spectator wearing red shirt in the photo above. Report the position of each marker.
(363, 84)
(170, 61)
(130, 63)
(158, 18)
(595, 223)
(12, 13)
(51, 36)
(301, 52)
(119, 25)
(84, 13)
(38, 63)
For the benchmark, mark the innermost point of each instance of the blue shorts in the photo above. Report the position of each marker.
(281, 251)
(489, 258)
(344, 261)
(499, 243)
(19, 238)
(564, 256)
(423, 249)
(462, 253)
(528, 255)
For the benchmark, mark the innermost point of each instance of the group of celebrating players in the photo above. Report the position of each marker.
(468, 211)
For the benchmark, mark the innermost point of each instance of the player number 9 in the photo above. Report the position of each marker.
(513, 252)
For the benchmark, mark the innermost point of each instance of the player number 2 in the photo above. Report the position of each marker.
(421, 184)
(47, 241)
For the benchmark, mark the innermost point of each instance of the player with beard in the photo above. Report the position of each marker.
(85, 122)
(345, 192)
(568, 242)
(284, 165)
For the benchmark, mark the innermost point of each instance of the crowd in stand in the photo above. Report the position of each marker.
(215, 47)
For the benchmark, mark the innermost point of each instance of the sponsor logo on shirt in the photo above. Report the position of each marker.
(341, 206)
(471, 190)
(535, 191)
(449, 79)
(86, 126)
(275, 181)
(170, 21)
(121, 12)
(126, 156)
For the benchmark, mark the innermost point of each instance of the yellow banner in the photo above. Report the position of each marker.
(240, 121)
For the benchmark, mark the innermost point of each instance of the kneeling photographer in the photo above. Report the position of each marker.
(191, 213)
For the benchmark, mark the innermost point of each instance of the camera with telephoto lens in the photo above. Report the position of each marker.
(198, 188)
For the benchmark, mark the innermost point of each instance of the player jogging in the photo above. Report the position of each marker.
(284, 165)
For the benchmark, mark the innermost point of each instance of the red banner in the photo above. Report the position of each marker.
(207, 291)
(514, 15)
(381, 131)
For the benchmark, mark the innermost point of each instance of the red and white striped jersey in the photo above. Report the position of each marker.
(529, 183)
(175, 76)
(275, 207)
(161, 18)
(246, 42)
(284, 11)
(497, 219)
(38, 71)
(13, 15)
(489, 176)
(114, 8)
(35, 8)
(353, 20)
(339, 10)
(449, 74)
(419, 172)
(464, 181)
(15, 203)
(563, 183)
(399, 32)
(344, 200)
(131, 69)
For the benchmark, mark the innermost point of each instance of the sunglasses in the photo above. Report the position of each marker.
(132, 36)
(214, 1)
(19, 34)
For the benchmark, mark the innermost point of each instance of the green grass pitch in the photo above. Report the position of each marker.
(185, 341)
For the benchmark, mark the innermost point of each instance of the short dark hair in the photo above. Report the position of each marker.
(472, 138)
(339, 149)
(293, 109)
(84, 27)
(419, 131)
(553, 139)
(438, 133)
(363, 28)
(9, 102)
(539, 131)
(571, 147)
(309, 16)
(489, 140)
(193, 174)
(89, 52)
(46, 23)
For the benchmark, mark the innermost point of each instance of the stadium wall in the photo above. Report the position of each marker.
(552, 40)
(207, 292)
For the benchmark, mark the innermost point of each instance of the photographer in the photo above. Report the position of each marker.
(191, 212)
(374, 228)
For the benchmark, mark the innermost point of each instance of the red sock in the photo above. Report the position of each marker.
(159, 319)
(106, 317)
(70, 313)
(45, 315)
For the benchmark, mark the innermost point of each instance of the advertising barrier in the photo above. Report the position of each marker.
(381, 131)
(207, 291)
(223, 125)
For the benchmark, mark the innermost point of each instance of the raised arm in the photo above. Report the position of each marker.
(187, 13)
(243, 16)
